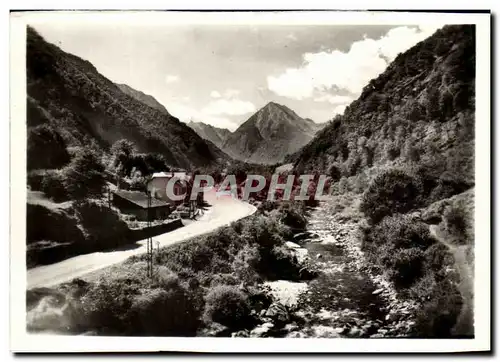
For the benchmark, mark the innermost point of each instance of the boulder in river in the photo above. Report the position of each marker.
(292, 245)
(278, 313)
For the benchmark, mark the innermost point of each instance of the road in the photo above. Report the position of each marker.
(223, 211)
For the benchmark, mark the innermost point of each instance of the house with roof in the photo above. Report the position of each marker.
(157, 185)
(136, 203)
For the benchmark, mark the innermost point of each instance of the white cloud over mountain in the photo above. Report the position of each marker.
(348, 71)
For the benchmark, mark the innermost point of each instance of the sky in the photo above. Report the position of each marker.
(222, 74)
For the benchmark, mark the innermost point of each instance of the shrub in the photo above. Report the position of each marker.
(292, 217)
(405, 266)
(227, 305)
(334, 173)
(437, 257)
(401, 231)
(438, 315)
(164, 312)
(455, 220)
(263, 231)
(53, 185)
(222, 279)
(102, 225)
(282, 263)
(107, 305)
(246, 263)
(46, 148)
(165, 278)
(392, 191)
(393, 152)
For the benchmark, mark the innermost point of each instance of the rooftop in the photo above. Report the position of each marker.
(181, 175)
(140, 198)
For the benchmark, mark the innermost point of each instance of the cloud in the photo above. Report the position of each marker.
(233, 107)
(339, 109)
(291, 37)
(349, 71)
(215, 94)
(169, 78)
(186, 114)
(231, 93)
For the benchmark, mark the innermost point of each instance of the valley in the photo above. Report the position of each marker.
(389, 252)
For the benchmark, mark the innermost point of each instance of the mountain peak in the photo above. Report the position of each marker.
(271, 133)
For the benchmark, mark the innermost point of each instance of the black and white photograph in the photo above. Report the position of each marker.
(215, 181)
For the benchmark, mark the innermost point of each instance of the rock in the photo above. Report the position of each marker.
(292, 245)
(262, 330)
(301, 236)
(330, 239)
(291, 327)
(382, 331)
(391, 317)
(262, 313)
(378, 291)
(215, 330)
(340, 330)
(240, 334)
(296, 334)
(377, 335)
(355, 332)
(278, 313)
(318, 256)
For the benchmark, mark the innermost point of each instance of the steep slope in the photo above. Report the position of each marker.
(143, 97)
(419, 112)
(84, 107)
(208, 132)
(271, 133)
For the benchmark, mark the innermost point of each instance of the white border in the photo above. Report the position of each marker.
(21, 341)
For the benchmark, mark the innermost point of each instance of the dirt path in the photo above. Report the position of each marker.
(223, 211)
(466, 286)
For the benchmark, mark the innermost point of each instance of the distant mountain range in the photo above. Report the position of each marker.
(210, 133)
(68, 94)
(267, 137)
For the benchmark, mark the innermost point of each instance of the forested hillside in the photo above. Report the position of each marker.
(420, 111)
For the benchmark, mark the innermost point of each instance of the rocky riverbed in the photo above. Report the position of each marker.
(349, 298)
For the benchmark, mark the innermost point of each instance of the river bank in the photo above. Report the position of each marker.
(349, 297)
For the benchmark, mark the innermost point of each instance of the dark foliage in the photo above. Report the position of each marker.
(53, 184)
(393, 191)
(227, 305)
(84, 176)
(46, 148)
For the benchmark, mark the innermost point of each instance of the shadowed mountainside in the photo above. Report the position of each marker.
(84, 107)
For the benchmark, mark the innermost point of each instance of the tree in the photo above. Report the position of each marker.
(84, 175)
(123, 147)
(46, 148)
(123, 151)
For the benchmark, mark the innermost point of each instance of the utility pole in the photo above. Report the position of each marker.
(149, 241)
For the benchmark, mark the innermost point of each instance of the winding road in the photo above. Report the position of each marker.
(223, 211)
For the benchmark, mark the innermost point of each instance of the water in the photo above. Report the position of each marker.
(347, 299)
